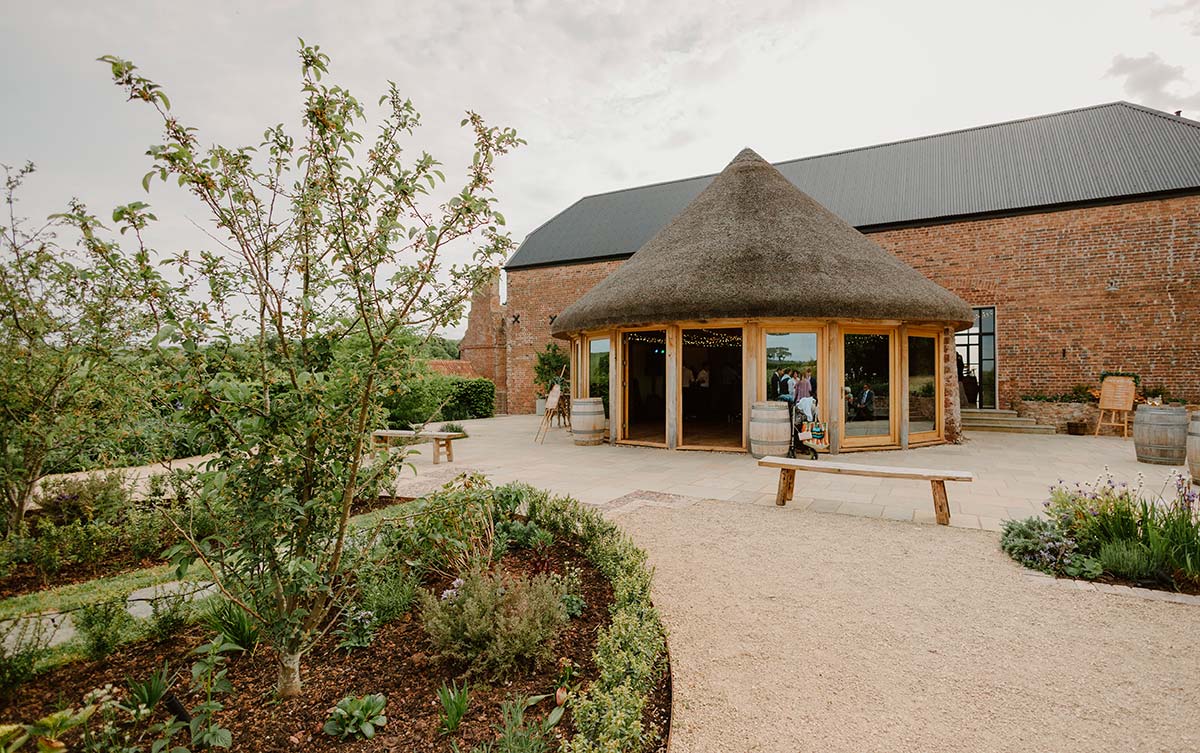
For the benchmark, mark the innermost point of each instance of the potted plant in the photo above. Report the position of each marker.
(551, 367)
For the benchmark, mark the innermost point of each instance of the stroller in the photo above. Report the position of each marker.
(806, 425)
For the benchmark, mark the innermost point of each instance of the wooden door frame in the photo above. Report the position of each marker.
(939, 379)
(622, 433)
(892, 439)
(741, 325)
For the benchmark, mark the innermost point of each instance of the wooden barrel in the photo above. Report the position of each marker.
(587, 420)
(770, 428)
(1160, 434)
(1193, 447)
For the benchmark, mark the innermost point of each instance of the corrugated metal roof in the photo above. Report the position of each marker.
(1094, 153)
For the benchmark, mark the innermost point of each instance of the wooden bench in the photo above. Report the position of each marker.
(442, 440)
(937, 479)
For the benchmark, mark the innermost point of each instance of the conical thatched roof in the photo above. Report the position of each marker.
(754, 245)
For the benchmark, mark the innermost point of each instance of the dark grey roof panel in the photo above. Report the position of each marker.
(1095, 153)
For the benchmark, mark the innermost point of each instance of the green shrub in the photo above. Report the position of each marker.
(233, 625)
(436, 397)
(356, 629)
(449, 532)
(631, 651)
(84, 499)
(1127, 559)
(23, 643)
(548, 368)
(170, 612)
(147, 533)
(470, 398)
(1036, 543)
(496, 624)
(452, 427)
(102, 627)
(388, 591)
(357, 717)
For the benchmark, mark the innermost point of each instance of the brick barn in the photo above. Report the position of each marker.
(1074, 236)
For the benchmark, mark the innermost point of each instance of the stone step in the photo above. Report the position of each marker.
(987, 412)
(1012, 428)
(997, 421)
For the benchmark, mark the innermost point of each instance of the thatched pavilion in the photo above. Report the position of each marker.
(755, 278)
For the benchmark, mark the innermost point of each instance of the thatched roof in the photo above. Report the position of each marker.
(753, 245)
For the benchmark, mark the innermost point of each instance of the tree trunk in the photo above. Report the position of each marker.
(288, 685)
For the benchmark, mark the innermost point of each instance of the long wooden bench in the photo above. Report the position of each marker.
(442, 440)
(937, 479)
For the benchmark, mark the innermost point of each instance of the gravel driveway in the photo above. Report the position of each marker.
(802, 631)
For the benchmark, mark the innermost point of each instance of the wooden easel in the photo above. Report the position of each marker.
(1116, 396)
(548, 416)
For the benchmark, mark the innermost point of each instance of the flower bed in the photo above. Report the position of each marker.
(552, 633)
(1116, 533)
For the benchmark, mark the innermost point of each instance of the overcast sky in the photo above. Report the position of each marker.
(608, 94)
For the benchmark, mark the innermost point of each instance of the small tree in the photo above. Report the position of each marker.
(324, 238)
(551, 367)
(66, 321)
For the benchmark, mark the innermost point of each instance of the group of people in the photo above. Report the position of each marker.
(798, 389)
(861, 408)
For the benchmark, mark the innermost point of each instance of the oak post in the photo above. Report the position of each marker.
(941, 505)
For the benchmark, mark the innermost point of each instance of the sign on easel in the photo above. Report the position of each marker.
(1116, 395)
(551, 408)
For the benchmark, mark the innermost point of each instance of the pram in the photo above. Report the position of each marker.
(802, 429)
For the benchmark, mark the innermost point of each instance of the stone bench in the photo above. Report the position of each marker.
(937, 479)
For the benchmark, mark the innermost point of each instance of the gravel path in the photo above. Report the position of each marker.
(801, 631)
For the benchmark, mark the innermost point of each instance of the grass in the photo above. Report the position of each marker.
(61, 598)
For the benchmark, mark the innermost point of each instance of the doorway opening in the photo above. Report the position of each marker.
(645, 357)
(711, 386)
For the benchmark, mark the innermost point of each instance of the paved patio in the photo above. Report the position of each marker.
(1013, 472)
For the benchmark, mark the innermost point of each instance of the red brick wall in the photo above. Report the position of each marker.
(484, 343)
(534, 295)
(1047, 275)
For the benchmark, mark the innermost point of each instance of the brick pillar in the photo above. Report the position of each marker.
(485, 343)
(951, 415)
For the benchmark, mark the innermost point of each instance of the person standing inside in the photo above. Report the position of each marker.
(773, 386)
(704, 394)
(686, 380)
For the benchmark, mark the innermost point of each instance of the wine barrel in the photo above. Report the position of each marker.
(587, 420)
(1193, 447)
(770, 428)
(1160, 434)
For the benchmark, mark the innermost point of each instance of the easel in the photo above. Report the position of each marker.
(557, 405)
(548, 416)
(1116, 395)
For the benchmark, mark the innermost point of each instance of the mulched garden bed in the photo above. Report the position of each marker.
(397, 664)
(23, 578)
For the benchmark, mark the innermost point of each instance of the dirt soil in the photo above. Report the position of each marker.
(802, 631)
(398, 664)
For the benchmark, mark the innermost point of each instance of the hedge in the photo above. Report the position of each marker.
(439, 398)
(631, 653)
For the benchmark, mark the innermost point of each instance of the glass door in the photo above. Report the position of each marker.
(867, 366)
(976, 348)
(596, 373)
(924, 386)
